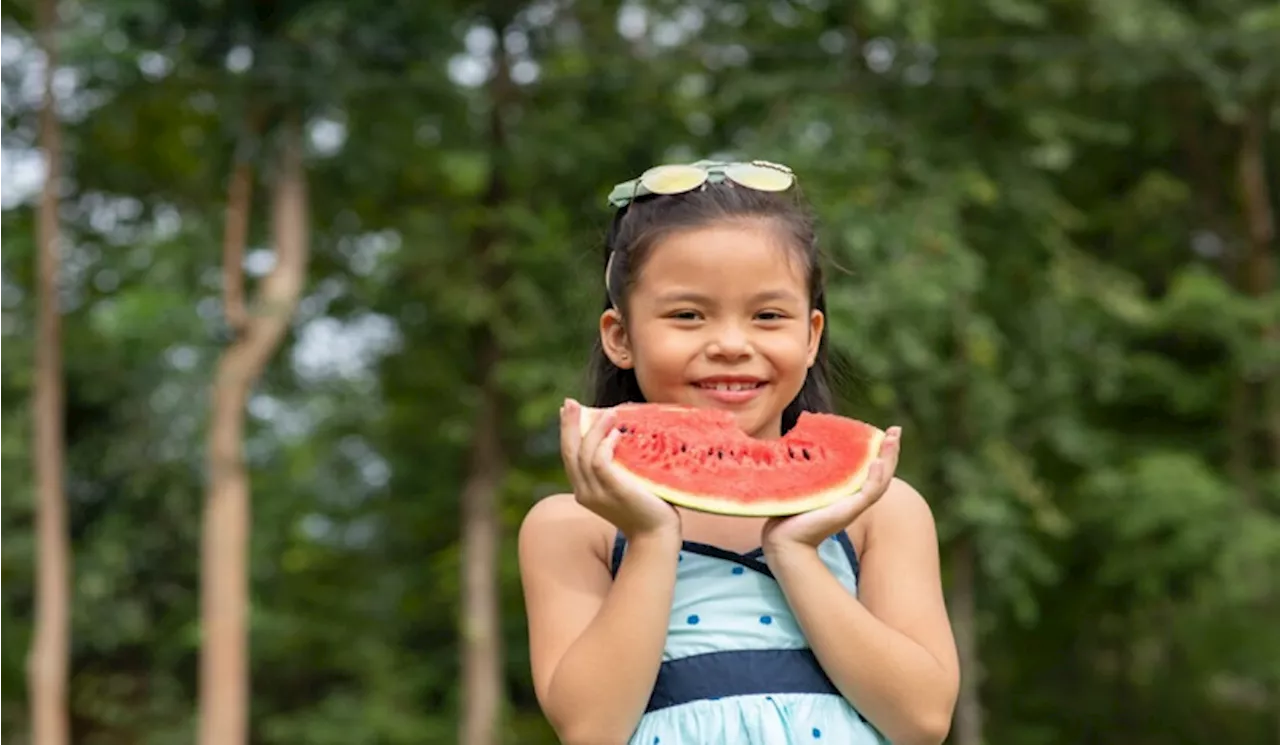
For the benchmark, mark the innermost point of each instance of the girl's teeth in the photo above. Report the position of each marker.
(730, 386)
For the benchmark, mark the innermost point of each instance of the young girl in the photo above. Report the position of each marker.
(654, 625)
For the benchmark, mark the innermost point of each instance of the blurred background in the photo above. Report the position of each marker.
(359, 244)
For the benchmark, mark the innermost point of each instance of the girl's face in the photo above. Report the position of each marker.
(719, 318)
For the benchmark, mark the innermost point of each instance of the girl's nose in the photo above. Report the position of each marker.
(729, 343)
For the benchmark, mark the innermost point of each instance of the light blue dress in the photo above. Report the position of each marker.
(736, 669)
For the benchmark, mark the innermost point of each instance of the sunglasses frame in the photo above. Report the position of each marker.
(701, 173)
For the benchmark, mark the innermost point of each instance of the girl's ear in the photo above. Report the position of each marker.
(816, 323)
(614, 339)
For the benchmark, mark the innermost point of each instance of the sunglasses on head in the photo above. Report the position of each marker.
(671, 179)
(667, 180)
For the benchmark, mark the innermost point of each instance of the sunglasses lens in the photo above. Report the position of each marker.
(760, 178)
(673, 179)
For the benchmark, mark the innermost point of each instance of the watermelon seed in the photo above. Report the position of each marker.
(720, 454)
(622, 428)
(806, 453)
(684, 448)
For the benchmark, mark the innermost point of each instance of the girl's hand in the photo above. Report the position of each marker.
(811, 528)
(600, 487)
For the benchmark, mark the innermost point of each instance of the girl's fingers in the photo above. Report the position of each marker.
(570, 441)
(592, 438)
(892, 444)
(875, 482)
(603, 454)
(591, 443)
(602, 466)
(879, 476)
(886, 462)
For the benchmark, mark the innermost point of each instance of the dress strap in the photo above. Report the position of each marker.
(619, 546)
(842, 537)
(849, 551)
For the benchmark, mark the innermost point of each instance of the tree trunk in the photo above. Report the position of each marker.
(49, 660)
(482, 649)
(1259, 267)
(1259, 279)
(963, 554)
(481, 617)
(224, 678)
(964, 611)
(1215, 213)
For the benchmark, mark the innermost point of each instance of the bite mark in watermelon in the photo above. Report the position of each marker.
(700, 459)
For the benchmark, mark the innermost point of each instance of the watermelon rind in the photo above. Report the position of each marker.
(725, 505)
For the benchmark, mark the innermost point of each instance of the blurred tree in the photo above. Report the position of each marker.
(49, 654)
(1038, 236)
(224, 552)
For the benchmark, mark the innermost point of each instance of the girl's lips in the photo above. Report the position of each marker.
(730, 381)
(726, 392)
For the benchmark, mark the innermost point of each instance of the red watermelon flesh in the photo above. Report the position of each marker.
(702, 460)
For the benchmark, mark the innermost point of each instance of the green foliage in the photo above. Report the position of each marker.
(1034, 234)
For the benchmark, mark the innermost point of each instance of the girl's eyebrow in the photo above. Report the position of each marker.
(771, 295)
(687, 296)
(684, 296)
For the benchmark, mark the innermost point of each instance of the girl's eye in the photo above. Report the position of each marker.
(770, 315)
(685, 315)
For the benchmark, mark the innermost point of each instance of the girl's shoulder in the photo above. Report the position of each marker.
(900, 508)
(558, 524)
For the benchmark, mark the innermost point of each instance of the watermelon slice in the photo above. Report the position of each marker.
(700, 459)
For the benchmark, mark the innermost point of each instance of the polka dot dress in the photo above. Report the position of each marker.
(736, 669)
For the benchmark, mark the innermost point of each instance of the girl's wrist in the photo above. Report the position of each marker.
(659, 537)
(782, 551)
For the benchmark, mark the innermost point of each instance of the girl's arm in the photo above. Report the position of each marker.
(595, 642)
(889, 651)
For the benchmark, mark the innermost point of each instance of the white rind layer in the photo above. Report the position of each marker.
(758, 508)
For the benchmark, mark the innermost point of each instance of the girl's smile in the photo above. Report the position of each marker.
(731, 389)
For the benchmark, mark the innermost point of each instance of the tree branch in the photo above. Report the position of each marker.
(224, 666)
(236, 229)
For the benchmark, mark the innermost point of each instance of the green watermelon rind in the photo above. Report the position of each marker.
(725, 505)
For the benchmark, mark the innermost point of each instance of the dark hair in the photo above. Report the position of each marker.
(638, 227)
